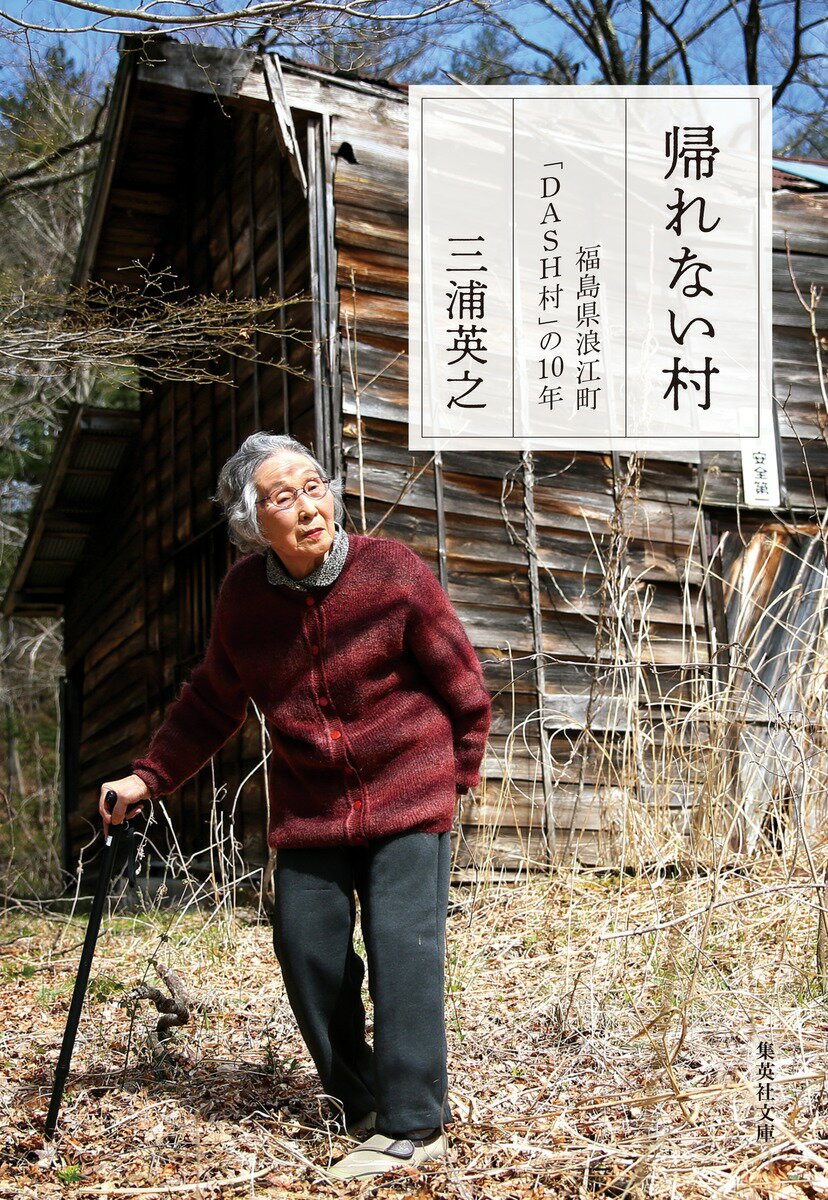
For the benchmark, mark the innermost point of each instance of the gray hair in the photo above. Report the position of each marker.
(237, 493)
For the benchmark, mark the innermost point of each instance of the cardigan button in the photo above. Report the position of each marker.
(309, 600)
(323, 700)
(314, 649)
(336, 733)
(357, 804)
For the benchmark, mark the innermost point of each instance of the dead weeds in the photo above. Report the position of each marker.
(606, 1039)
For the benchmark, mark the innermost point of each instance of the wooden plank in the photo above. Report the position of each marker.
(531, 548)
(599, 810)
(375, 135)
(491, 850)
(379, 191)
(372, 226)
(361, 267)
(130, 201)
(313, 90)
(324, 352)
(808, 269)
(285, 131)
(803, 218)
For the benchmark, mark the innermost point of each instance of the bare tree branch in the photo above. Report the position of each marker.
(644, 44)
(92, 138)
(584, 23)
(45, 181)
(173, 336)
(683, 42)
(251, 16)
(796, 55)
(681, 48)
(618, 67)
(751, 29)
(561, 63)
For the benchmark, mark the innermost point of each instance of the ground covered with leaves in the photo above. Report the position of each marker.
(609, 1035)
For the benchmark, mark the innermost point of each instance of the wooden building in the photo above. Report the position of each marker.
(597, 592)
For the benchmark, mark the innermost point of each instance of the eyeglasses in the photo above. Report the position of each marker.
(286, 497)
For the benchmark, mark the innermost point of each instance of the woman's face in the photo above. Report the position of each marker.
(302, 534)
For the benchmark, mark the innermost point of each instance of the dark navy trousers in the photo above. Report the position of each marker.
(402, 883)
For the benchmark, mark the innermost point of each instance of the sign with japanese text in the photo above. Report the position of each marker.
(761, 483)
(590, 268)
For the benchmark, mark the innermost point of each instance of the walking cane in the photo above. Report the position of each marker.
(73, 1020)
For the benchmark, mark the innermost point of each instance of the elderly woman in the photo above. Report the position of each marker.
(378, 716)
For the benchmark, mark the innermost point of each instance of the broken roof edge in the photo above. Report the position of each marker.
(137, 63)
(230, 73)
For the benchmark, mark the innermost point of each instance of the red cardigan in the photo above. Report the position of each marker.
(372, 693)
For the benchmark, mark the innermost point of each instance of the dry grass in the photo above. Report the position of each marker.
(603, 1040)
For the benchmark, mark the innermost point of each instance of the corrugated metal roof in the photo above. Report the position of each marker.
(815, 172)
(82, 489)
(87, 459)
(97, 454)
(53, 546)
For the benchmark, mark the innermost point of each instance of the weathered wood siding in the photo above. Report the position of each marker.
(799, 248)
(485, 550)
(104, 639)
(525, 547)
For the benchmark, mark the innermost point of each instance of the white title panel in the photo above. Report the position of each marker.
(590, 268)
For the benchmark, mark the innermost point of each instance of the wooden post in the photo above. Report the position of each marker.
(548, 825)
(279, 201)
(288, 142)
(721, 668)
(231, 135)
(285, 131)
(254, 281)
(331, 311)
(442, 553)
(324, 307)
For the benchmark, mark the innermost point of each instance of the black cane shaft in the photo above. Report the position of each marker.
(84, 967)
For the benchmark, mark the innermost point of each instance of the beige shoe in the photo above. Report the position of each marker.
(381, 1153)
(363, 1127)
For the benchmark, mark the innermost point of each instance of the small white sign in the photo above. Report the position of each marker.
(590, 268)
(760, 473)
